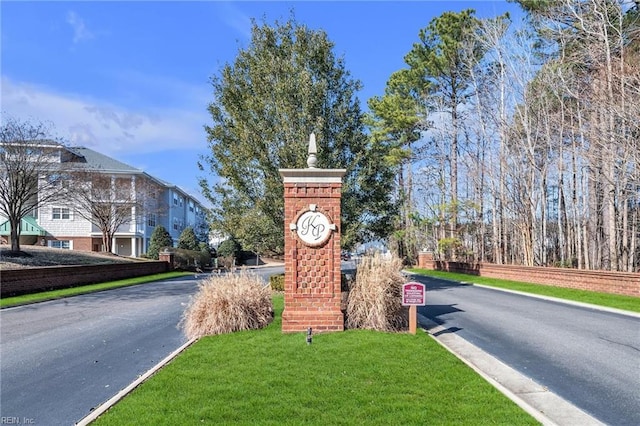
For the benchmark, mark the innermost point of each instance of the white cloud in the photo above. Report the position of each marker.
(233, 17)
(80, 30)
(103, 125)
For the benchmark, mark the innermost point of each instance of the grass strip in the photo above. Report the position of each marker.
(91, 288)
(617, 301)
(350, 378)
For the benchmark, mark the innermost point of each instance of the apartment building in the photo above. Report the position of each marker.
(146, 202)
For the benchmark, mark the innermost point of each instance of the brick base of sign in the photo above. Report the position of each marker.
(300, 321)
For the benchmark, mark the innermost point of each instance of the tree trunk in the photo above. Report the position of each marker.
(15, 234)
(454, 170)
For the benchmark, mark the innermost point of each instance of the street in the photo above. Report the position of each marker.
(60, 359)
(589, 357)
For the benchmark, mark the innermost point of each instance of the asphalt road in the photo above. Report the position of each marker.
(589, 357)
(60, 359)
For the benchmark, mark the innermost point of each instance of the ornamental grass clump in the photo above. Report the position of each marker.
(375, 298)
(228, 303)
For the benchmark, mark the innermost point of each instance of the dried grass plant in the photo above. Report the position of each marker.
(375, 298)
(228, 303)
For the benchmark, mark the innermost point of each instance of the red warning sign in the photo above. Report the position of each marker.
(413, 294)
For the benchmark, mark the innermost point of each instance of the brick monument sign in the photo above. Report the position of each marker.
(312, 247)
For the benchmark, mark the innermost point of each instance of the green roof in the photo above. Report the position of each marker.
(28, 226)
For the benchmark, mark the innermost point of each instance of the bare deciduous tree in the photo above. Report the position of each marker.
(112, 202)
(31, 171)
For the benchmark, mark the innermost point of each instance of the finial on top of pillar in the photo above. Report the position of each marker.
(313, 150)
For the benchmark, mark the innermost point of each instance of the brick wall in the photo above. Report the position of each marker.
(77, 243)
(312, 274)
(627, 284)
(81, 243)
(24, 281)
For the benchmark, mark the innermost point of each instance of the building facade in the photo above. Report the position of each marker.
(134, 203)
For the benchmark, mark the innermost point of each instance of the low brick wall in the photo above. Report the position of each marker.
(23, 281)
(627, 284)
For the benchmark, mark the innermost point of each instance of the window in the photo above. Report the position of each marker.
(190, 206)
(61, 244)
(151, 219)
(58, 213)
(175, 200)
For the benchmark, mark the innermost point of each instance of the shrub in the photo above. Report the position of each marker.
(229, 247)
(226, 262)
(375, 297)
(228, 303)
(189, 260)
(160, 238)
(188, 240)
(277, 282)
(450, 248)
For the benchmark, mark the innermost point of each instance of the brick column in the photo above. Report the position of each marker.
(312, 250)
(167, 256)
(425, 260)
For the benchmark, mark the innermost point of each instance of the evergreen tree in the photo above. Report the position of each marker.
(160, 238)
(188, 240)
(229, 247)
(396, 120)
(285, 85)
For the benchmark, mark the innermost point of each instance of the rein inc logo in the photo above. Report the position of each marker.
(17, 421)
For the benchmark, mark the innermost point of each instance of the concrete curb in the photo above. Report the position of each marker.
(545, 406)
(117, 397)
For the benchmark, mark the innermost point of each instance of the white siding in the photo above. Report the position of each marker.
(76, 226)
(137, 234)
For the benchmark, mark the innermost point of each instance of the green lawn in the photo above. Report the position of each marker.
(352, 377)
(74, 291)
(628, 303)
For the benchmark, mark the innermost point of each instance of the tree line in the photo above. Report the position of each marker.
(526, 142)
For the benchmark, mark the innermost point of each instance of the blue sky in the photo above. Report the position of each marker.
(131, 79)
